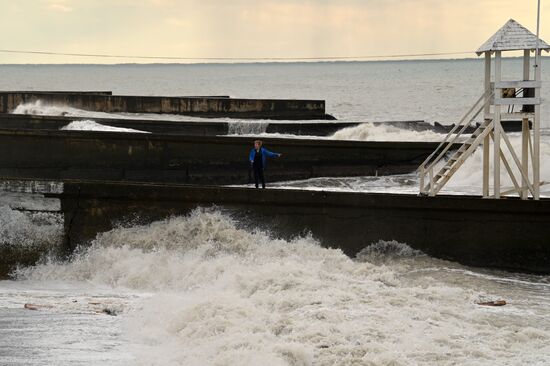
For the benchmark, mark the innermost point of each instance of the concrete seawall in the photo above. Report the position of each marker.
(193, 159)
(192, 106)
(457, 228)
(199, 128)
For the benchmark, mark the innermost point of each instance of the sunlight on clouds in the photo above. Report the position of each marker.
(60, 5)
(259, 28)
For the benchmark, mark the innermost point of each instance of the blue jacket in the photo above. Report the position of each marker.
(265, 154)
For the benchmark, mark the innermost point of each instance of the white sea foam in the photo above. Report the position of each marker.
(385, 132)
(223, 295)
(89, 125)
(470, 176)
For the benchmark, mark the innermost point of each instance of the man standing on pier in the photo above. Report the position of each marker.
(257, 157)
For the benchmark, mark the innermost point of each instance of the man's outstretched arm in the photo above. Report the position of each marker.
(272, 154)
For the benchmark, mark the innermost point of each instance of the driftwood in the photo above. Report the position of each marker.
(492, 303)
(36, 306)
(107, 311)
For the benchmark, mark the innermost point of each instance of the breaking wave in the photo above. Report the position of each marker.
(387, 250)
(223, 295)
(385, 132)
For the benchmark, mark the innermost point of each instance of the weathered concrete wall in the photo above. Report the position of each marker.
(193, 106)
(193, 159)
(103, 92)
(509, 234)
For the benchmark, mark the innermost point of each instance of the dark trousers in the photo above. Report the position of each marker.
(258, 175)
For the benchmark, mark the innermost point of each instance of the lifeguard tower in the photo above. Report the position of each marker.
(517, 100)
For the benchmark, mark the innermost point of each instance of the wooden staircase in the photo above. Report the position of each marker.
(438, 180)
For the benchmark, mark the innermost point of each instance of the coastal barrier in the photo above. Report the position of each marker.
(113, 156)
(292, 109)
(199, 128)
(509, 234)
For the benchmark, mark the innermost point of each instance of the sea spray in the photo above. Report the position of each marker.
(223, 295)
(247, 127)
(470, 175)
(47, 109)
(27, 230)
(40, 108)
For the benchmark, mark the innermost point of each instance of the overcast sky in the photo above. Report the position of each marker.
(254, 28)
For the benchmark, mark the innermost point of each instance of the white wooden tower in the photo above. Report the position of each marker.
(516, 100)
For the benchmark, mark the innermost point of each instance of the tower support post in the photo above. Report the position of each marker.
(525, 132)
(497, 129)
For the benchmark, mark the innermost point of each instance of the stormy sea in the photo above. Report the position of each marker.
(203, 289)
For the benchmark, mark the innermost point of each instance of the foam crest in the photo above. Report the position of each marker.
(384, 132)
(89, 125)
(387, 250)
(150, 257)
(40, 108)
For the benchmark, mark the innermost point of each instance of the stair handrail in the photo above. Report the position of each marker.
(457, 135)
(483, 96)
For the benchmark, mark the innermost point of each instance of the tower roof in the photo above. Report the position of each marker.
(512, 36)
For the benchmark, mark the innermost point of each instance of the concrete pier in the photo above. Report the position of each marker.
(194, 159)
(449, 227)
(192, 106)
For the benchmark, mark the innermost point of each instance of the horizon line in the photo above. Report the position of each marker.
(257, 61)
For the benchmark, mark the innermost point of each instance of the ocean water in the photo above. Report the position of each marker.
(437, 90)
(202, 290)
(199, 290)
